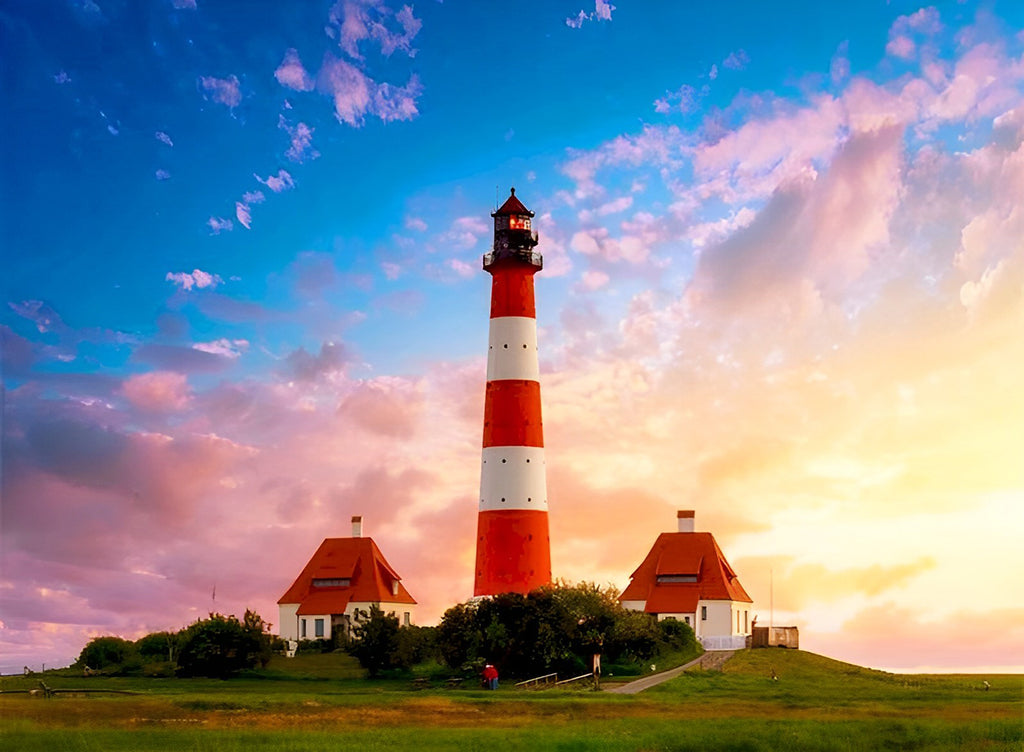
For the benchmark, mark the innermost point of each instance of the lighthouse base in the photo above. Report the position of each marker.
(513, 553)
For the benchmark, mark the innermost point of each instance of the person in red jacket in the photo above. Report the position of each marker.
(490, 677)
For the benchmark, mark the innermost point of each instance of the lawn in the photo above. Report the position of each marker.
(322, 702)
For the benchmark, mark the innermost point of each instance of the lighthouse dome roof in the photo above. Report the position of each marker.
(512, 205)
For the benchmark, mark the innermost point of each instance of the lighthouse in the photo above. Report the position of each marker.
(513, 551)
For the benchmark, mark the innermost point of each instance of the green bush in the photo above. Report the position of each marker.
(221, 646)
(376, 644)
(109, 653)
(158, 646)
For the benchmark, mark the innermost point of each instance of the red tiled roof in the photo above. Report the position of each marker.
(683, 554)
(512, 205)
(355, 559)
(674, 598)
(331, 601)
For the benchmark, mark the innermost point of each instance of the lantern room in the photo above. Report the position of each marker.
(514, 236)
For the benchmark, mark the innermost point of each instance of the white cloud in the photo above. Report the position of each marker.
(163, 137)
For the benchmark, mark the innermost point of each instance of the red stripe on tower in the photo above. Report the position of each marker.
(513, 550)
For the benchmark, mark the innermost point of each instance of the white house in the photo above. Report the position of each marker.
(686, 577)
(345, 577)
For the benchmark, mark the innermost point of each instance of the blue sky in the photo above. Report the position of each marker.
(241, 247)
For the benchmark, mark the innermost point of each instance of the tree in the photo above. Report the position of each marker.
(221, 646)
(458, 640)
(108, 652)
(636, 635)
(158, 646)
(376, 642)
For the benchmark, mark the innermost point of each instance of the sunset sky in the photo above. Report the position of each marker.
(784, 287)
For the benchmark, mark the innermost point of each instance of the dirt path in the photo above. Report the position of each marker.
(710, 661)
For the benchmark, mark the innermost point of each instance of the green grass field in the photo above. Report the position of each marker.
(321, 702)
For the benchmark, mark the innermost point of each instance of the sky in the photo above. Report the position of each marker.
(242, 301)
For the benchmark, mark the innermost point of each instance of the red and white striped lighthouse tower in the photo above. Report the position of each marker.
(513, 552)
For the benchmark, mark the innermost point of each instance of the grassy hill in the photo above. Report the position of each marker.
(320, 701)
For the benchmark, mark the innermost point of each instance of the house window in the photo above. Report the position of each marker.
(687, 618)
(703, 613)
(303, 629)
(318, 627)
(746, 621)
(663, 578)
(407, 618)
(331, 582)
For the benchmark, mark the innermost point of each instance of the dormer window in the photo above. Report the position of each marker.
(328, 582)
(663, 578)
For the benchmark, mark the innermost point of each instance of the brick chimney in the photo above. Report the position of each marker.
(685, 520)
(357, 527)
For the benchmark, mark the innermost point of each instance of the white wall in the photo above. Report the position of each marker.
(722, 618)
(290, 623)
(287, 626)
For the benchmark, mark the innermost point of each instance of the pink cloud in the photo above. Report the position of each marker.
(197, 278)
(301, 135)
(602, 12)
(243, 215)
(355, 94)
(598, 242)
(358, 21)
(593, 280)
(461, 268)
(226, 91)
(350, 88)
(218, 225)
(158, 391)
(386, 406)
(282, 181)
(737, 60)
(291, 73)
(227, 348)
(397, 102)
